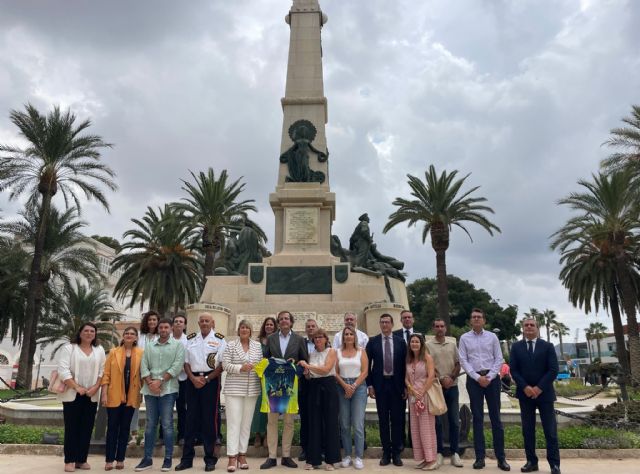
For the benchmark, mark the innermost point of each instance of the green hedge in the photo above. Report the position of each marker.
(572, 437)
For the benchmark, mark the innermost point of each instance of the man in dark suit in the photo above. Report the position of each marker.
(534, 367)
(284, 344)
(309, 328)
(387, 366)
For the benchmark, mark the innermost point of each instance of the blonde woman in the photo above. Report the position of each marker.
(351, 373)
(121, 384)
(241, 390)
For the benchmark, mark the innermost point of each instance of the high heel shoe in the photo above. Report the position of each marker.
(242, 461)
(231, 467)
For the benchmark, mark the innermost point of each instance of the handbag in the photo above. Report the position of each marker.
(56, 385)
(437, 405)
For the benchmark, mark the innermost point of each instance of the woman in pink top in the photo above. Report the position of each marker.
(419, 378)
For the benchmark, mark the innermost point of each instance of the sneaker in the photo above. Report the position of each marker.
(346, 461)
(144, 465)
(440, 459)
(166, 465)
(455, 460)
(358, 464)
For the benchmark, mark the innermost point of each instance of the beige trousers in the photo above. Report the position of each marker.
(272, 434)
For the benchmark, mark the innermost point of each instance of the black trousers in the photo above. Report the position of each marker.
(323, 416)
(477, 395)
(79, 416)
(548, 418)
(181, 408)
(303, 388)
(391, 416)
(118, 422)
(202, 420)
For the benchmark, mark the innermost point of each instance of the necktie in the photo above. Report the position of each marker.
(530, 347)
(407, 335)
(388, 360)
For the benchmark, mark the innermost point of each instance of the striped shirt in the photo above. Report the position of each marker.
(241, 383)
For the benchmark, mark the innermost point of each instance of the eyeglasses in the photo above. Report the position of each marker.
(529, 325)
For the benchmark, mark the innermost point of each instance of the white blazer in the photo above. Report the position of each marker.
(68, 367)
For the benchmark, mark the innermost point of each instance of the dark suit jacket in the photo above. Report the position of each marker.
(400, 334)
(539, 370)
(376, 362)
(296, 349)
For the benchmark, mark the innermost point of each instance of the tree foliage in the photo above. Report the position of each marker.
(463, 297)
(439, 205)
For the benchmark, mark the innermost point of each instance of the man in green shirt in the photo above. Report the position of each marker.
(162, 361)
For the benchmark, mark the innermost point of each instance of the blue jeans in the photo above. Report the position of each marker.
(352, 416)
(162, 408)
(451, 396)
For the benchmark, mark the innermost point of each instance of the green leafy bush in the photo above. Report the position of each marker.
(25, 434)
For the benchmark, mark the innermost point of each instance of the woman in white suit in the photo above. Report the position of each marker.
(241, 390)
(80, 367)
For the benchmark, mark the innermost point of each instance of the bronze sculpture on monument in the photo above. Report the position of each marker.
(309, 273)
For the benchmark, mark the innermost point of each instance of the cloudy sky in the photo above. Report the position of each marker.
(520, 94)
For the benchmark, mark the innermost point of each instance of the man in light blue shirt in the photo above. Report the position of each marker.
(162, 362)
(481, 358)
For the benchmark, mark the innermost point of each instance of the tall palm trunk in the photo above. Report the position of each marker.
(209, 251)
(561, 346)
(598, 337)
(621, 350)
(629, 300)
(34, 300)
(440, 244)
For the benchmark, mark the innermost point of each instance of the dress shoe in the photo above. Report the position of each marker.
(269, 463)
(555, 470)
(479, 464)
(209, 467)
(288, 462)
(385, 460)
(303, 456)
(529, 467)
(397, 461)
(503, 465)
(182, 466)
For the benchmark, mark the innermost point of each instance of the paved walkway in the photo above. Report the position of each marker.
(15, 463)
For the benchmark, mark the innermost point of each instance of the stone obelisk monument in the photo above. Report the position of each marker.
(306, 274)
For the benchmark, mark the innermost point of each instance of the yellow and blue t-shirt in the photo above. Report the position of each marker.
(279, 385)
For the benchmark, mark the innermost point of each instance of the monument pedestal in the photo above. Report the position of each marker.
(303, 276)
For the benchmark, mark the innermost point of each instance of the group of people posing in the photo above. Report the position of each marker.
(281, 373)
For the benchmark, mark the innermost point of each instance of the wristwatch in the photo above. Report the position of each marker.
(206, 377)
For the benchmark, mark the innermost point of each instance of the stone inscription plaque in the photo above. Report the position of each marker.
(301, 225)
(299, 281)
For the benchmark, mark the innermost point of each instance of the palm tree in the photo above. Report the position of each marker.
(439, 206)
(66, 250)
(610, 217)
(560, 329)
(597, 331)
(159, 264)
(81, 304)
(550, 319)
(212, 207)
(588, 272)
(626, 139)
(14, 273)
(59, 157)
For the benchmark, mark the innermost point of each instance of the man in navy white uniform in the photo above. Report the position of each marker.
(203, 368)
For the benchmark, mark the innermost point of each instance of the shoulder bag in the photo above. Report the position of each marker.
(437, 405)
